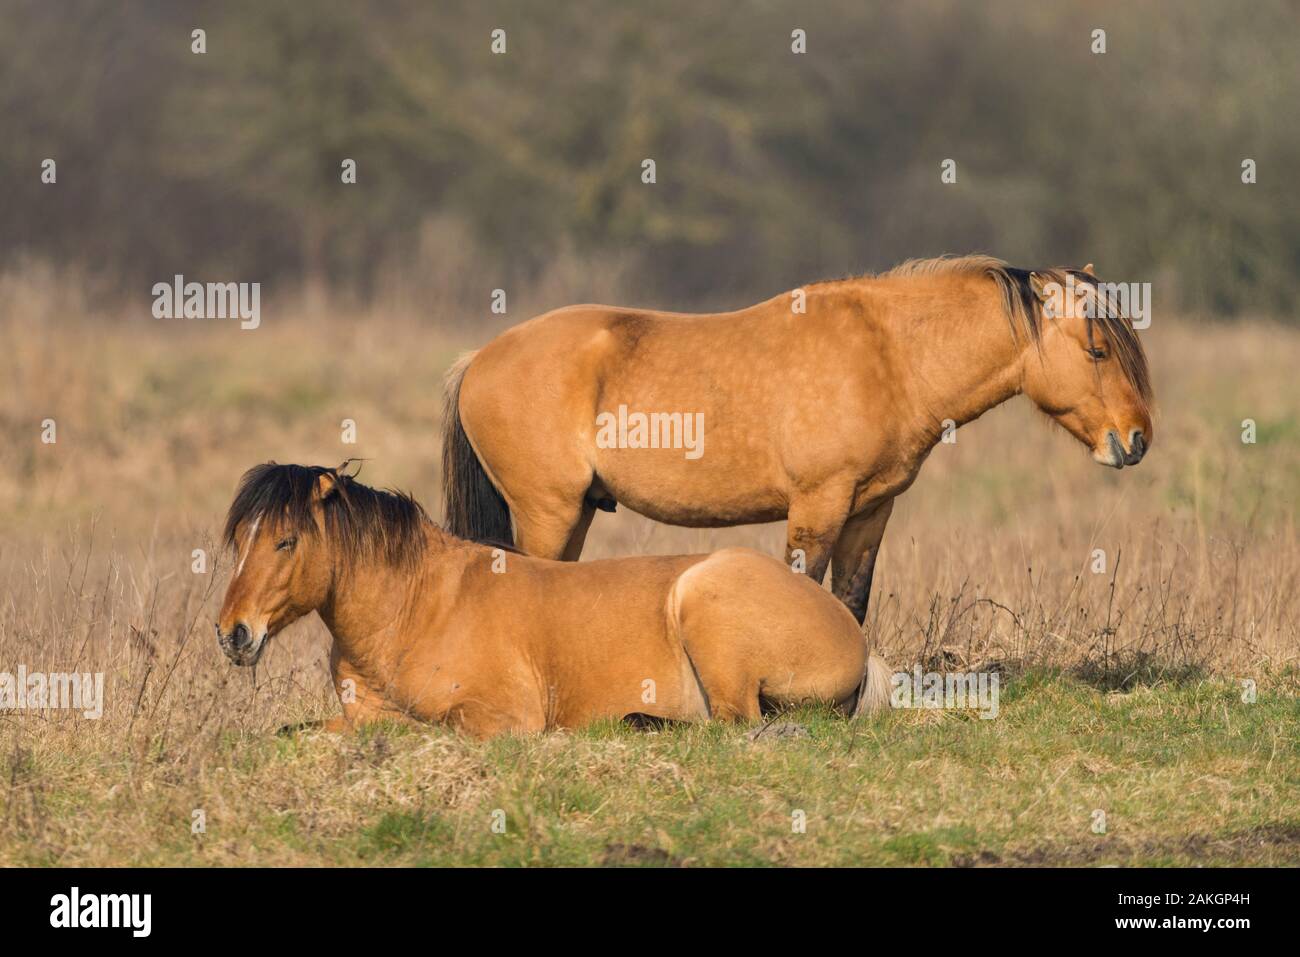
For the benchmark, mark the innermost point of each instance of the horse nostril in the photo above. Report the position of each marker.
(242, 637)
(1137, 447)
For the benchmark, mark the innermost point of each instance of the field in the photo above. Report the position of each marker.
(1127, 677)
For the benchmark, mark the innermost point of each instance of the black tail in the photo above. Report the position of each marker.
(472, 506)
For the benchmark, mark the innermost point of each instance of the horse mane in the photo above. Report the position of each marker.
(360, 522)
(1023, 309)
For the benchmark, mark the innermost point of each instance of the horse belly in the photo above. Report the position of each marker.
(657, 685)
(714, 494)
(597, 637)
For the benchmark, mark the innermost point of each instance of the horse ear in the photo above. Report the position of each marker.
(1088, 269)
(326, 485)
(1038, 285)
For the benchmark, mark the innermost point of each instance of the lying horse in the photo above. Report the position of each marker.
(818, 406)
(428, 627)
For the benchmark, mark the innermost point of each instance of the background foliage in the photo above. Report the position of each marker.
(773, 169)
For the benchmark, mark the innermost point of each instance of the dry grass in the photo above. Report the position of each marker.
(1122, 687)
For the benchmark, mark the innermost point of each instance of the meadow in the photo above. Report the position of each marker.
(1145, 624)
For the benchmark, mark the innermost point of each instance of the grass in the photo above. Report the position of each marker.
(1122, 687)
(1184, 771)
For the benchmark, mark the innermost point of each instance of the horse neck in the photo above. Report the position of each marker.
(960, 354)
(371, 603)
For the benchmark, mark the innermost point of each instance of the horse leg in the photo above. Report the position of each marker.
(556, 530)
(854, 560)
(342, 724)
(812, 526)
(361, 704)
(578, 537)
(485, 719)
(483, 724)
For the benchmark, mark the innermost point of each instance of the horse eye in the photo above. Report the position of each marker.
(1097, 353)
(286, 544)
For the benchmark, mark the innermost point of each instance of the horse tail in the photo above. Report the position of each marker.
(873, 693)
(473, 508)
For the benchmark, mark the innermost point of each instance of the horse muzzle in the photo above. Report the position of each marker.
(239, 644)
(1112, 453)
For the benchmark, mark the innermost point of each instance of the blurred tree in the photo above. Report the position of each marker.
(773, 167)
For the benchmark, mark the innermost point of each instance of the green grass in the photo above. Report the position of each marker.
(1184, 770)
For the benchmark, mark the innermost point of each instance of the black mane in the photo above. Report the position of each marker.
(359, 521)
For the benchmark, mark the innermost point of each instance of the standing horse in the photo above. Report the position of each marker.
(818, 406)
(428, 627)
